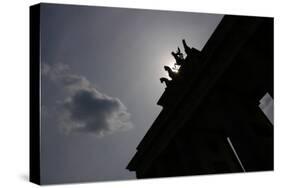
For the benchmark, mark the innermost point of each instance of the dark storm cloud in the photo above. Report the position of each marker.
(85, 109)
(96, 113)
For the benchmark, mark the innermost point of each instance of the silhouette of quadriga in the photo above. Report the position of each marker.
(211, 121)
(191, 56)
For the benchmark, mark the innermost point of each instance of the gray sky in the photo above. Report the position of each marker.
(100, 84)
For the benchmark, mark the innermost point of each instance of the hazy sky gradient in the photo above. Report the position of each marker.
(115, 56)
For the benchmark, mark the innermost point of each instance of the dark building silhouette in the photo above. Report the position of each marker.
(211, 121)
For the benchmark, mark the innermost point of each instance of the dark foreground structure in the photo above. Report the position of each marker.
(211, 121)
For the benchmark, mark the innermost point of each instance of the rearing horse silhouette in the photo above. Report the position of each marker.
(171, 74)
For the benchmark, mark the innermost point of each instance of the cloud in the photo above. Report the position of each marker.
(53, 71)
(85, 109)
